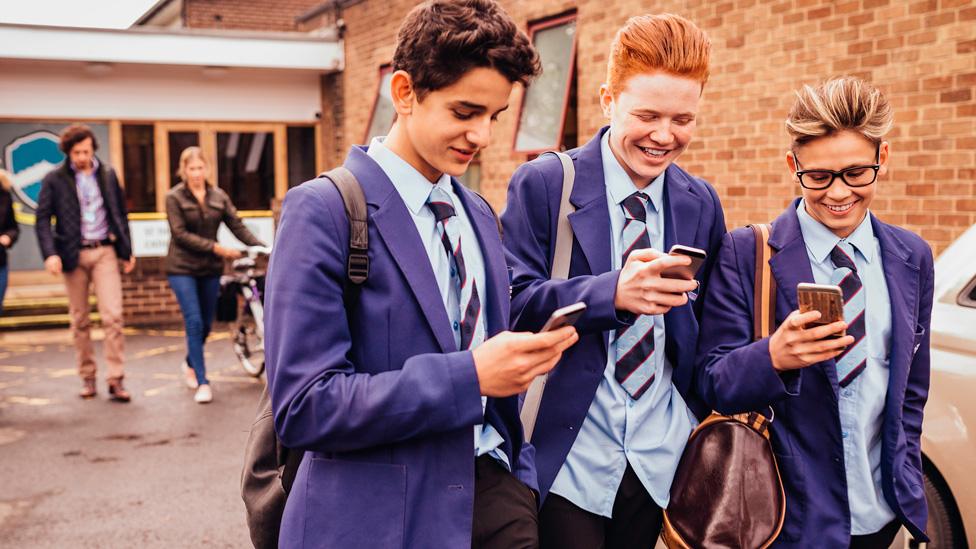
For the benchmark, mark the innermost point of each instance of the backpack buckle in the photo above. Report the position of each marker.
(357, 266)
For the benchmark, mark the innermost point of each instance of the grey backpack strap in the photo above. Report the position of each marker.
(558, 271)
(357, 265)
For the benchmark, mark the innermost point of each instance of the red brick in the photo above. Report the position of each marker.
(966, 46)
(956, 96)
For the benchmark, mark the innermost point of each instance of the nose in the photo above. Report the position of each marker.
(838, 190)
(479, 134)
(661, 133)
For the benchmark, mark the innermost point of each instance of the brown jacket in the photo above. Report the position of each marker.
(193, 230)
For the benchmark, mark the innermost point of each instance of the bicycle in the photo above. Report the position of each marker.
(247, 329)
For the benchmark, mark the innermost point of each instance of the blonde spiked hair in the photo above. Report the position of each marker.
(841, 103)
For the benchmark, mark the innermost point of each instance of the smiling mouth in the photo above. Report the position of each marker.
(656, 153)
(840, 208)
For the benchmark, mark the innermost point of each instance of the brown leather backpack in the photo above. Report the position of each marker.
(727, 491)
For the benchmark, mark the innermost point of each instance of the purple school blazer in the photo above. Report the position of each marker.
(376, 393)
(736, 375)
(693, 217)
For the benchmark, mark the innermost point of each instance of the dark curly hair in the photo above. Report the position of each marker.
(74, 134)
(441, 40)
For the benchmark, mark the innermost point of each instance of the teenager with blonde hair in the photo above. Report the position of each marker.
(618, 409)
(847, 396)
(195, 209)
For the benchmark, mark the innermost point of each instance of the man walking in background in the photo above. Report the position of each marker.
(90, 236)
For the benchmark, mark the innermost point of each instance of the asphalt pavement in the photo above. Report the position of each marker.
(161, 471)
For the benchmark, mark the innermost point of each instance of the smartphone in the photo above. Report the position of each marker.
(826, 298)
(685, 272)
(566, 316)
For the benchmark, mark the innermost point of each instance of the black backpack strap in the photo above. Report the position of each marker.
(357, 264)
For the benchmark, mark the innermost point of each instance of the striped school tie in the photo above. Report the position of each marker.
(634, 345)
(471, 331)
(853, 360)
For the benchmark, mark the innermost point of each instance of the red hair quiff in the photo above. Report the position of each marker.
(650, 43)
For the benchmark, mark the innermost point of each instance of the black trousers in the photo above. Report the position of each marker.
(879, 540)
(505, 514)
(636, 521)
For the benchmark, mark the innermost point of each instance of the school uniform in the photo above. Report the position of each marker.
(600, 434)
(370, 381)
(846, 431)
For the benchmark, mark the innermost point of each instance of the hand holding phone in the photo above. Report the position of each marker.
(565, 316)
(685, 272)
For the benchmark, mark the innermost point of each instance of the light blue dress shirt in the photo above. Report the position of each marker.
(94, 221)
(651, 432)
(415, 189)
(861, 404)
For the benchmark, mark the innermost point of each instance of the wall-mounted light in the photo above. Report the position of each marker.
(98, 68)
(215, 71)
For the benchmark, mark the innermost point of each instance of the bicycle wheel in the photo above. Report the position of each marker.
(248, 343)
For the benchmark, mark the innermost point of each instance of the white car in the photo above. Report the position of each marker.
(949, 428)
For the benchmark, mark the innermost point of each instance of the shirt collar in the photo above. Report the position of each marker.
(820, 240)
(413, 187)
(619, 183)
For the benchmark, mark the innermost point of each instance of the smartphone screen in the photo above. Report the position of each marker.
(566, 316)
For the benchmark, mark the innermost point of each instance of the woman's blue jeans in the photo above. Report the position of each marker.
(3, 285)
(198, 303)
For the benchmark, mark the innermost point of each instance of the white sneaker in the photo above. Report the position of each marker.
(204, 394)
(189, 375)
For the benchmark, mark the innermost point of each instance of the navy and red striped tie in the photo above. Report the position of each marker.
(634, 345)
(853, 360)
(471, 332)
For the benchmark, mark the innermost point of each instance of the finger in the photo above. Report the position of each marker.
(668, 261)
(798, 320)
(645, 254)
(820, 332)
(670, 285)
(528, 342)
(666, 300)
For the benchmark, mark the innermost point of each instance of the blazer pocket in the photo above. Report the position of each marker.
(355, 504)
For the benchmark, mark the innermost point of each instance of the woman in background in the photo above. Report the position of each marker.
(195, 209)
(9, 231)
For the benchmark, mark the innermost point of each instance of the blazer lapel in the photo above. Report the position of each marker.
(495, 297)
(682, 209)
(591, 220)
(395, 225)
(790, 266)
(902, 278)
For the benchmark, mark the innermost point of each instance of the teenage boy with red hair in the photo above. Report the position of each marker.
(619, 407)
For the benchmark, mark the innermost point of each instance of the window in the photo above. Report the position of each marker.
(301, 154)
(472, 176)
(178, 141)
(383, 115)
(139, 162)
(967, 298)
(542, 121)
(245, 168)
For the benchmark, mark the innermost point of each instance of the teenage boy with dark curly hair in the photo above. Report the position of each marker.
(405, 397)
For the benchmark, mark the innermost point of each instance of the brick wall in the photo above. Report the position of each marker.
(264, 15)
(146, 296)
(921, 53)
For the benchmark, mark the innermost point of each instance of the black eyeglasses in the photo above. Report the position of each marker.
(855, 176)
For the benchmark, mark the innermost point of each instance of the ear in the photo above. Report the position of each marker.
(606, 101)
(791, 165)
(883, 151)
(402, 93)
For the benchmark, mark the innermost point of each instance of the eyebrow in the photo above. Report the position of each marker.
(475, 106)
(652, 111)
